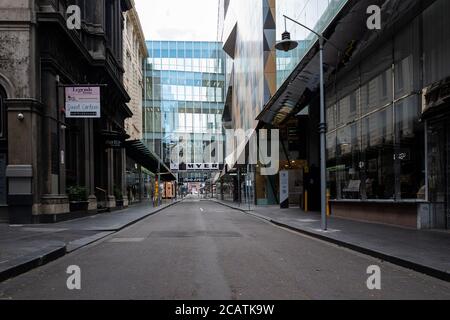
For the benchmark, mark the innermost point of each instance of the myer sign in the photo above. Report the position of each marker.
(195, 166)
(202, 166)
(82, 102)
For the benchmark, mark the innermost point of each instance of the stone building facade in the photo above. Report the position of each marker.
(134, 52)
(43, 152)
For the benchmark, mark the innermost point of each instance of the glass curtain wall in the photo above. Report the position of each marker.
(375, 140)
(436, 48)
(183, 98)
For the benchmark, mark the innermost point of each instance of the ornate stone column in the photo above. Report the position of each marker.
(124, 176)
(110, 200)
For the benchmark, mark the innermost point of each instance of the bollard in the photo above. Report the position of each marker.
(328, 203)
(306, 201)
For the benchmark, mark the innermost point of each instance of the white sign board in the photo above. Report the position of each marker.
(284, 188)
(82, 102)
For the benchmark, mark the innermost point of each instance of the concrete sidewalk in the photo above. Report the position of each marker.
(423, 251)
(23, 247)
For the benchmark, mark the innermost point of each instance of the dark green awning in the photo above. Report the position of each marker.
(137, 151)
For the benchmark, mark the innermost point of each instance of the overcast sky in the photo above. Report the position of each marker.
(178, 19)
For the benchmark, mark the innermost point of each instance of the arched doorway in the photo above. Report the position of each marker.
(3, 154)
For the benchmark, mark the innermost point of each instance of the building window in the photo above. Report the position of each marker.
(410, 134)
(371, 149)
(348, 158)
(378, 155)
(353, 103)
(331, 163)
(404, 77)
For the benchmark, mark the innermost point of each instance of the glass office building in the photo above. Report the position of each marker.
(386, 143)
(255, 71)
(183, 102)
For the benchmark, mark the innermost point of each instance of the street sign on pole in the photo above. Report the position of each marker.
(284, 189)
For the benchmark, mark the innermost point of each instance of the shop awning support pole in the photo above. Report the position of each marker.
(323, 131)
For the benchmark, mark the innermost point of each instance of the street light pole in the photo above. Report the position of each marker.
(323, 131)
(286, 45)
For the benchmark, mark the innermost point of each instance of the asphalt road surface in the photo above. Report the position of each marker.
(202, 250)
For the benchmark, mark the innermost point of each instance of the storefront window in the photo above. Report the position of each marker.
(377, 141)
(348, 159)
(410, 134)
(331, 163)
(438, 147)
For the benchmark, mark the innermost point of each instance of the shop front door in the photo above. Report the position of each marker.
(439, 168)
(3, 158)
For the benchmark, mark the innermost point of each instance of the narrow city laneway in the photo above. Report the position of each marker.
(202, 250)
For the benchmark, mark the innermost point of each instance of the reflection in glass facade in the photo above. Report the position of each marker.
(376, 139)
(183, 98)
(255, 68)
(315, 14)
(287, 61)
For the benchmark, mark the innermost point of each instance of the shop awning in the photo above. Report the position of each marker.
(137, 151)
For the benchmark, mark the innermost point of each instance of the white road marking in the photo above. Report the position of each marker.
(201, 209)
(126, 240)
(31, 229)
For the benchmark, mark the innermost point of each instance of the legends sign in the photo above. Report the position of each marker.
(82, 102)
